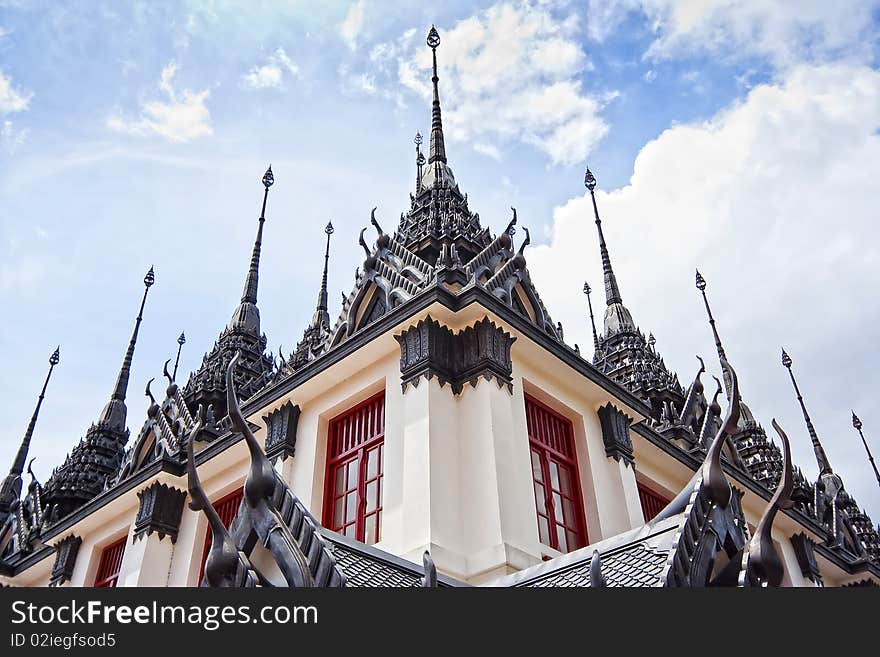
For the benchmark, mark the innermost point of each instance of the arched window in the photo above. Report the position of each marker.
(558, 496)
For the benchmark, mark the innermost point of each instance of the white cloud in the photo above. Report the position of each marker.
(271, 74)
(490, 150)
(351, 26)
(182, 118)
(774, 199)
(11, 137)
(12, 100)
(516, 63)
(784, 32)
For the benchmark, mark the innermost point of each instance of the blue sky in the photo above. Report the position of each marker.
(740, 137)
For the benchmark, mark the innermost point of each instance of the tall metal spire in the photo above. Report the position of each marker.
(612, 292)
(11, 487)
(437, 151)
(114, 412)
(821, 458)
(701, 286)
(587, 291)
(246, 317)
(857, 423)
(321, 316)
(250, 284)
(181, 340)
(125, 371)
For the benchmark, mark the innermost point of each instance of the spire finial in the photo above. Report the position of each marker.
(321, 316)
(701, 286)
(821, 458)
(587, 291)
(612, 292)
(857, 423)
(420, 161)
(437, 151)
(181, 340)
(249, 295)
(125, 371)
(11, 487)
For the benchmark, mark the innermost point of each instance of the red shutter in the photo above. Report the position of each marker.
(652, 503)
(556, 480)
(111, 562)
(227, 508)
(353, 480)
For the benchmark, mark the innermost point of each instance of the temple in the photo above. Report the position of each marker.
(437, 430)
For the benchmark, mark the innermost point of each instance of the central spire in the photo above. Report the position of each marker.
(247, 317)
(437, 151)
(821, 458)
(612, 292)
(11, 487)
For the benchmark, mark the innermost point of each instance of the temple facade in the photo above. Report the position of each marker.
(439, 431)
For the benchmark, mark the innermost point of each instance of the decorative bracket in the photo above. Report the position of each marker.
(615, 433)
(281, 426)
(429, 349)
(161, 508)
(65, 559)
(806, 557)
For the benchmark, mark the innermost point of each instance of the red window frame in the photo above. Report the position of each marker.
(559, 505)
(354, 474)
(110, 564)
(227, 508)
(652, 501)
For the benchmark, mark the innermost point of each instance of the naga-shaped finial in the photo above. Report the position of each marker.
(510, 230)
(363, 243)
(526, 241)
(375, 223)
(713, 475)
(597, 579)
(762, 564)
(430, 578)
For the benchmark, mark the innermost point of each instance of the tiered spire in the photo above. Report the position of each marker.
(321, 316)
(439, 217)
(857, 423)
(207, 385)
(95, 461)
(313, 340)
(11, 487)
(821, 458)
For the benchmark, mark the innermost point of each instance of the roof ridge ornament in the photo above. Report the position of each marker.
(701, 286)
(181, 340)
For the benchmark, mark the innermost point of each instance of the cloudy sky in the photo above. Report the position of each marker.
(740, 137)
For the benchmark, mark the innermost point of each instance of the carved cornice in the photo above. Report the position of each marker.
(615, 433)
(806, 557)
(429, 349)
(161, 508)
(65, 559)
(281, 426)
